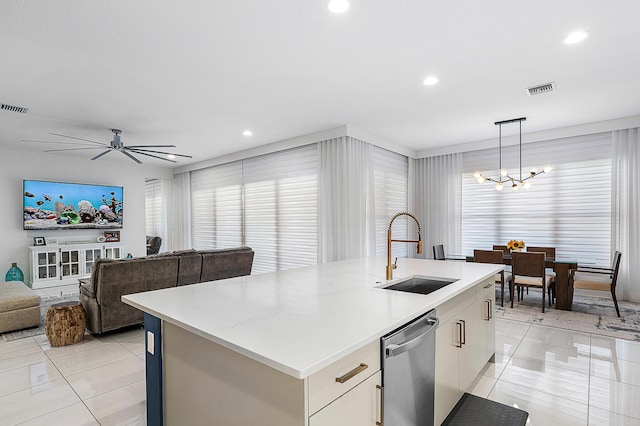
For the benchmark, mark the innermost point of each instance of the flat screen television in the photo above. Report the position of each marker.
(60, 205)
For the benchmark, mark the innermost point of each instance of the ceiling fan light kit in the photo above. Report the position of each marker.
(116, 145)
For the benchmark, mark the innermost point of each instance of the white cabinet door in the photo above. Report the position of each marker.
(474, 343)
(361, 406)
(447, 389)
(70, 263)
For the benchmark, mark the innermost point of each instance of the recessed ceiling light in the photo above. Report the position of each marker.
(247, 133)
(430, 81)
(338, 6)
(171, 156)
(575, 37)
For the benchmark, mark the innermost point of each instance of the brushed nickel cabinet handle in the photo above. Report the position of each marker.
(459, 342)
(464, 332)
(352, 373)
(380, 423)
(488, 317)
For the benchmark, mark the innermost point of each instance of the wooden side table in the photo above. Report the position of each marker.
(65, 323)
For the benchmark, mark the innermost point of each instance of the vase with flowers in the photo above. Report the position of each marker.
(515, 245)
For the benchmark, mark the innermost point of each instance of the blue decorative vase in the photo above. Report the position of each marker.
(14, 273)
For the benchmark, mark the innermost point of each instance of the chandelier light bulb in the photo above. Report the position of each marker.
(338, 6)
(547, 169)
(527, 185)
(481, 179)
(534, 171)
(499, 186)
(503, 172)
(476, 174)
(515, 186)
(576, 37)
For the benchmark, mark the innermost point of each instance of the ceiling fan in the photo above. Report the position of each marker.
(116, 145)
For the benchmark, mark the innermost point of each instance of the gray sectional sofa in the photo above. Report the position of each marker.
(110, 279)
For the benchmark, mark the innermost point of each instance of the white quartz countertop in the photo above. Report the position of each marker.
(298, 321)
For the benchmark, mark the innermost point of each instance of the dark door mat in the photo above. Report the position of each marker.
(473, 410)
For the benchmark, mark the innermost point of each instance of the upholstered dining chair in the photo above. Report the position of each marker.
(495, 256)
(603, 279)
(528, 271)
(551, 254)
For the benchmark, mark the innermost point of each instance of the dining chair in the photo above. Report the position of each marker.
(528, 271)
(504, 249)
(495, 256)
(438, 253)
(603, 279)
(551, 254)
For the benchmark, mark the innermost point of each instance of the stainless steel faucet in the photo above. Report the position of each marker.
(391, 267)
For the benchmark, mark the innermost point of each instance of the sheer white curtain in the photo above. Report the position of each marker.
(179, 213)
(626, 210)
(346, 201)
(435, 198)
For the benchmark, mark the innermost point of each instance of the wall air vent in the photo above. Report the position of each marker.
(542, 88)
(14, 108)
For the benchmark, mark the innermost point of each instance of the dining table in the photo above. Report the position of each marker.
(562, 268)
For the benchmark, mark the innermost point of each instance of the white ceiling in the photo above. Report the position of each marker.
(196, 74)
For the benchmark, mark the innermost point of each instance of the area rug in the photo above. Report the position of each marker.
(45, 303)
(589, 315)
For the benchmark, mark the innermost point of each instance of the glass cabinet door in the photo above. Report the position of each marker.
(90, 256)
(112, 252)
(47, 263)
(69, 263)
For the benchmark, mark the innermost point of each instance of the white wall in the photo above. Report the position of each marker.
(19, 165)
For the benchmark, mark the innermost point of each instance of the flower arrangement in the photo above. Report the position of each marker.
(515, 245)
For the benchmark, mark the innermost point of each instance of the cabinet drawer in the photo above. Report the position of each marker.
(323, 386)
(360, 406)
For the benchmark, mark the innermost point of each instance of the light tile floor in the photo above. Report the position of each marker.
(563, 377)
(560, 377)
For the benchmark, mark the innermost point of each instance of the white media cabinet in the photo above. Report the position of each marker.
(58, 265)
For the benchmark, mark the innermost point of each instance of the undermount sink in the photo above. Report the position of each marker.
(420, 285)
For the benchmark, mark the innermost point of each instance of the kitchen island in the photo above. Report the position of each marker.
(256, 349)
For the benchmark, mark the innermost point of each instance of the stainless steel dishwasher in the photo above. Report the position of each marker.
(408, 373)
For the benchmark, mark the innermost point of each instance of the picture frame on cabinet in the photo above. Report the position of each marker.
(112, 236)
(39, 241)
(51, 241)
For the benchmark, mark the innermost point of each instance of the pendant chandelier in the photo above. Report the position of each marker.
(504, 177)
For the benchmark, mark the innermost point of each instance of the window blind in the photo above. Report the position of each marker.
(216, 207)
(281, 208)
(155, 209)
(391, 197)
(569, 209)
(269, 203)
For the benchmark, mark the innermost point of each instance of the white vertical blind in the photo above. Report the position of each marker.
(156, 209)
(281, 208)
(390, 193)
(569, 209)
(216, 207)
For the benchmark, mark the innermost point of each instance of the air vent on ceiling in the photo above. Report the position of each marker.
(542, 88)
(14, 108)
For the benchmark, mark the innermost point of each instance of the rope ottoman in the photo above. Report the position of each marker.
(65, 323)
(19, 306)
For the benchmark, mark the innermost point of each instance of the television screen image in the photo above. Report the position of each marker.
(59, 205)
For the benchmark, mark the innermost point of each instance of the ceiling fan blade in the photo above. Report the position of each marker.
(159, 152)
(149, 155)
(131, 156)
(65, 143)
(80, 139)
(72, 149)
(151, 146)
(100, 155)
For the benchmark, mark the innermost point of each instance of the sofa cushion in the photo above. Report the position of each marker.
(226, 263)
(16, 295)
(189, 267)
